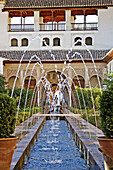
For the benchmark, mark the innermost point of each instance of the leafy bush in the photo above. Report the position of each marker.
(3, 83)
(88, 98)
(91, 118)
(106, 107)
(16, 95)
(7, 116)
(22, 116)
(76, 111)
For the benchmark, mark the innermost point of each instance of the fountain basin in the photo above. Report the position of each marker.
(87, 147)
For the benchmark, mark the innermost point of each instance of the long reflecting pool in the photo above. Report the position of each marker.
(55, 149)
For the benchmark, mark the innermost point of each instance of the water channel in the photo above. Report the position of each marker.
(55, 149)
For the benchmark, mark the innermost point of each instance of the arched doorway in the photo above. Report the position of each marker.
(54, 78)
(94, 81)
(81, 80)
(11, 82)
(32, 82)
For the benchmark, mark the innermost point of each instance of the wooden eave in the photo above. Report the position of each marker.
(109, 56)
(52, 61)
(54, 8)
(53, 14)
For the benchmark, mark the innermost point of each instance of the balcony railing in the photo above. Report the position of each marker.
(20, 27)
(53, 27)
(84, 26)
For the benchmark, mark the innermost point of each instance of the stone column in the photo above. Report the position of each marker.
(9, 22)
(73, 22)
(21, 77)
(41, 22)
(84, 13)
(68, 20)
(86, 80)
(36, 21)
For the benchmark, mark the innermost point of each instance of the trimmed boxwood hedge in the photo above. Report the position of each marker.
(7, 116)
(106, 112)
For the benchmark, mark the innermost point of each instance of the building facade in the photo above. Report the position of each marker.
(60, 34)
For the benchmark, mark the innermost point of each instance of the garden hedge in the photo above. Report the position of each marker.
(106, 112)
(7, 116)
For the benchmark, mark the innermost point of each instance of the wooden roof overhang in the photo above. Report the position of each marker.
(109, 56)
(52, 61)
(55, 14)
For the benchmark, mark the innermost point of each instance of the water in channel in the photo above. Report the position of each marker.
(55, 149)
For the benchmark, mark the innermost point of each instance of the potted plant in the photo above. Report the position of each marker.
(106, 114)
(7, 126)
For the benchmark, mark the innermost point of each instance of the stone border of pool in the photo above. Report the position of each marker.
(22, 151)
(87, 147)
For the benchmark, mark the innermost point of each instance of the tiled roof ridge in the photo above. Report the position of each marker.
(55, 3)
(58, 54)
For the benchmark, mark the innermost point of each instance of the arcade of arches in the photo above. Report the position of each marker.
(10, 70)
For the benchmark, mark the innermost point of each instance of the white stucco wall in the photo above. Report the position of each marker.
(110, 66)
(3, 31)
(1, 65)
(102, 38)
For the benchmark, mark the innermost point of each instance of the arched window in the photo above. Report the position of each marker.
(14, 42)
(24, 42)
(79, 43)
(88, 41)
(56, 42)
(45, 41)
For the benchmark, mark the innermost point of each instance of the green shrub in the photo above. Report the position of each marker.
(106, 107)
(91, 118)
(3, 83)
(106, 112)
(88, 98)
(7, 116)
(16, 95)
(22, 116)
